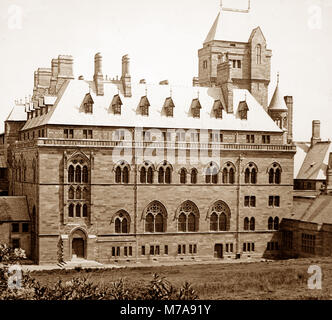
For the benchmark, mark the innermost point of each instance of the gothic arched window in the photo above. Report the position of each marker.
(193, 176)
(182, 223)
(183, 176)
(211, 173)
(143, 175)
(155, 217)
(78, 174)
(71, 193)
(252, 224)
(246, 224)
(85, 177)
(85, 210)
(71, 174)
(188, 218)
(270, 223)
(214, 222)
(117, 225)
(276, 223)
(258, 54)
(274, 174)
(118, 175)
(71, 210)
(220, 216)
(250, 174)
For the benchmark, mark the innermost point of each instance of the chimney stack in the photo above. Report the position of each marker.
(65, 70)
(54, 78)
(315, 132)
(289, 104)
(98, 75)
(126, 78)
(328, 186)
(195, 82)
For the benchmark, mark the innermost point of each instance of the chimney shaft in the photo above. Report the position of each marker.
(289, 103)
(126, 78)
(98, 75)
(315, 132)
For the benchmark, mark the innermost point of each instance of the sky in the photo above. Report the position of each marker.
(162, 39)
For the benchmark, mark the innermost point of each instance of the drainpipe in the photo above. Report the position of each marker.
(135, 193)
(238, 208)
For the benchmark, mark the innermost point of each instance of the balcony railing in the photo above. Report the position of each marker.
(48, 142)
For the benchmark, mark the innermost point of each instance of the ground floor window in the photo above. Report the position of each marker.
(16, 243)
(308, 243)
(229, 248)
(287, 239)
(248, 246)
(272, 246)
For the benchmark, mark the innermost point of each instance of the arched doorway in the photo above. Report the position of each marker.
(78, 244)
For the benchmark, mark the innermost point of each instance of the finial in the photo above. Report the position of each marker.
(278, 75)
(146, 90)
(170, 91)
(197, 94)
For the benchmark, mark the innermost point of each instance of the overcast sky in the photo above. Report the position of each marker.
(162, 39)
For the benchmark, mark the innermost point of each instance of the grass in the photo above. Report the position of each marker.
(285, 279)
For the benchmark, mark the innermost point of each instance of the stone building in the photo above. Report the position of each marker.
(115, 171)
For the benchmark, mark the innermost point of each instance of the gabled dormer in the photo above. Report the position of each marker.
(243, 110)
(116, 104)
(217, 109)
(144, 106)
(196, 108)
(169, 107)
(88, 103)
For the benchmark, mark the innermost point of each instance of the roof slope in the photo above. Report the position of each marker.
(319, 211)
(277, 101)
(314, 163)
(68, 108)
(231, 26)
(13, 209)
(17, 113)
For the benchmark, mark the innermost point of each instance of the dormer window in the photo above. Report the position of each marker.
(169, 106)
(88, 103)
(217, 109)
(116, 104)
(196, 108)
(243, 110)
(144, 106)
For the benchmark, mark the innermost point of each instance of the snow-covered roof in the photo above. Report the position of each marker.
(68, 109)
(231, 26)
(17, 113)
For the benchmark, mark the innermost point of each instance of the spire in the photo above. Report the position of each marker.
(231, 24)
(278, 101)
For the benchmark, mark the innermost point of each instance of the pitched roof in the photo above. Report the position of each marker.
(278, 101)
(17, 113)
(66, 110)
(13, 209)
(319, 210)
(231, 26)
(310, 162)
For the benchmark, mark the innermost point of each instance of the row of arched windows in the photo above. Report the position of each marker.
(77, 174)
(273, 224)
(188, 219)
(78, 193)
(20, 171)
(211, 174)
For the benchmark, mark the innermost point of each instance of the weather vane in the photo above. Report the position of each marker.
(233, 9)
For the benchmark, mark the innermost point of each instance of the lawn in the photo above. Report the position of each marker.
(285, 279)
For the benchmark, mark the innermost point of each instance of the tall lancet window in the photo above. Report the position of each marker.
(258, 54)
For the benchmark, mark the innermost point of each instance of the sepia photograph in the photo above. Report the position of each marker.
(165, 151)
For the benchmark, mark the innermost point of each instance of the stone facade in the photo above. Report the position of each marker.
(83, 202)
